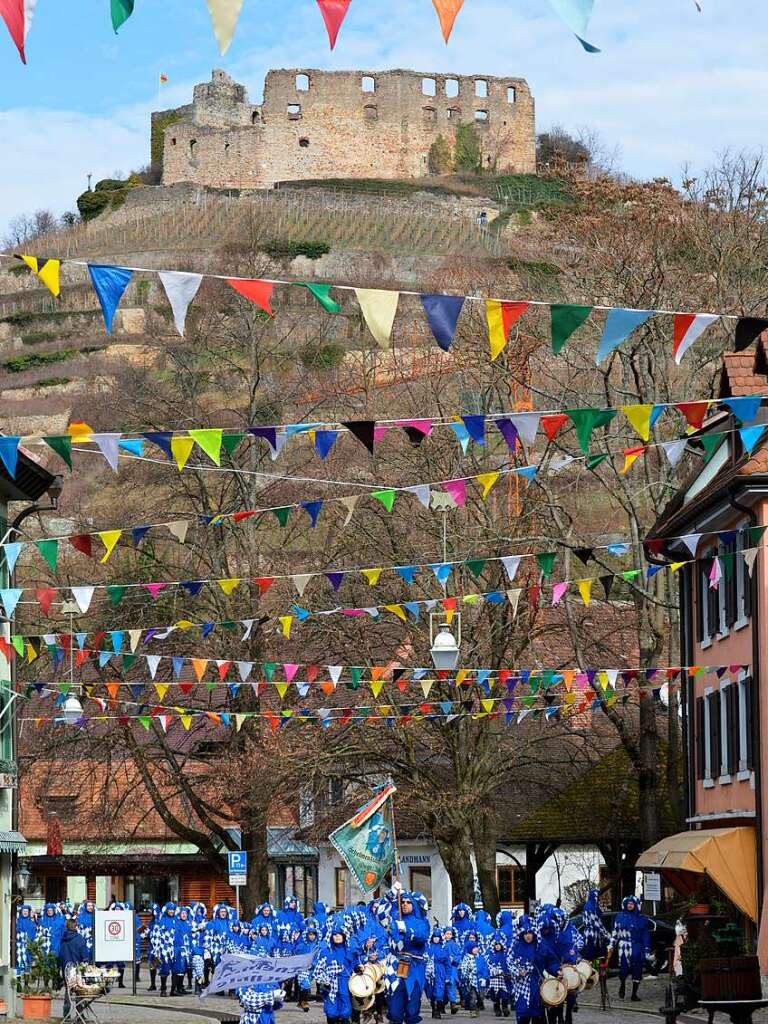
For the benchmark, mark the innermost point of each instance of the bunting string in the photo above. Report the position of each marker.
(379, 308)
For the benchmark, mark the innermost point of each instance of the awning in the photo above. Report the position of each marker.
(726, 855)
(12, 842)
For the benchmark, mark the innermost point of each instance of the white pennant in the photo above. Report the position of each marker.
(334, 671)
(163, 720)
(244, 669)
(527, 425)
(561, 462)
(378, 308)
(135, 635)
(691, 541)
(674, 450)
(248, 623)
(300, 582)
(513, 596)
(750, 554)
(83, 596)
(180, 288)
(442, 500)
(108, 446)
(699, 324)
(153, 660)
(349, 504)
(280, 438)
(511, 564)
(422, 493)
(224, 15)
(179, 530)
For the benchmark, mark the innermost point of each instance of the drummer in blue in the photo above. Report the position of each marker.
(406, 923)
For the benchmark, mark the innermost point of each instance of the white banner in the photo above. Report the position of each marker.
(236, 970)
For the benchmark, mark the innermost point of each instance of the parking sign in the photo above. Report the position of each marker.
(238, 867)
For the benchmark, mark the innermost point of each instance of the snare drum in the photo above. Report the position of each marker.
(553, 992)
(571, 977)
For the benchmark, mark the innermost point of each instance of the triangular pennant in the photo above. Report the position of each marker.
(363, 430)
(552, 424)
(386, 497)
(109, 283)
(45, 597)
(674, 450)
(558, 590)
(179, 529)
(109, 538)
(585, 590)
(11, 552)
(750, 436)
(372, 575)
(181, 288)
(586, 421)
(501, 316)
(750, 554)
(710, 443)
(46, 270)
(565, 320)
(378, 308)
(312, 508)
(546, 560)
(257, 291)
(631, 455)
(17, 15)
(121, 12)
(9, 454)
(324, 440)
(210, 442)
(688, 327)
(443, 313)
(511, 564)
(62, 446)
(748, 328)
(744, 408)
(639, 418)
(447, 12)
(349, 503)
(619, 324)
(83, 597)
(457, 490)
(109, 447)
(49, 549)
(224, 15)
(487, 481)
(334, 12)
(181, 447)
(229, 586)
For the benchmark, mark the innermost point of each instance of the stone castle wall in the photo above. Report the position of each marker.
(342, 124)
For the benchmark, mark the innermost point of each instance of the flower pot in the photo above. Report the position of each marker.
(36, 1007)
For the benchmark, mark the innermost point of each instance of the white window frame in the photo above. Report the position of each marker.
(706, 639)
(743, 774)
(725, 751)
(722, 616)
(709, 780)
(742, 579)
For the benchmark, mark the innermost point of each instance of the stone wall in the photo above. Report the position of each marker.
(343, 124)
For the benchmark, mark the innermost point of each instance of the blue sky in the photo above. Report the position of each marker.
(671, 85)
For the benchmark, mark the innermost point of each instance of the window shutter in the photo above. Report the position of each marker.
(749, 688)
(747, 587)
(716, 750)
(700, 598)
(729, 571)
(733, 728)
(712, 598)
(700, 737)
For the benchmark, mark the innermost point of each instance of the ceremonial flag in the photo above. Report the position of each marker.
(238, 970)
(367, 841)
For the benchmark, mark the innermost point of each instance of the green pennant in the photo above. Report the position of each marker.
(756, 535)
(534, 683)
(593, 461)
(49, 549)
(230, 441)
(18, 643)
(549, 678)
(210, 685)
(62, 446)
(354, 683)
(586, 421)
(726, 561)
(631, 574)
(476, 565)
(269, 670)
(229, 624)
(115, 594)
(121, 12)
(321, 293)
(529, 700)
(145, 721)
(128, 659)
(710, 443)
(282, 514)
(64, 688)
(565, 320)
(387, 497)
(546, 560)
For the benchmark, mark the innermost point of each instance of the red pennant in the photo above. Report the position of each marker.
(8, 652)
(447, 10)
(312, 672)
(654, 545)
(334, 12)
(44, 598)
(223, 668)
(551, 424)
(122, 719)
(14, 14)
(65, 640)
(186, 688)
(257, 291)
(81, 656)
(82, 542)
(274, 721)
(401, 685)
(449, 603)
(264, 583)
(238, 517)
(98, 638)
(694, 412)
(533, 596)
(680, 325)
(504, 674)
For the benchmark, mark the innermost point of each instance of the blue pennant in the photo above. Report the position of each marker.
(443, 313)
(109, 283)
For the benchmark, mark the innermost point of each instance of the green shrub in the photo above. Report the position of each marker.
(19, 364)
(52, 382)
(467, 154)
(440, 157)
(284, 250)
(159, 124)
(321, 355)
(37, 337)
(535, 268)
(91, 204)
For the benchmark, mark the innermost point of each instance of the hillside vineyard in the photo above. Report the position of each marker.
(340, 124)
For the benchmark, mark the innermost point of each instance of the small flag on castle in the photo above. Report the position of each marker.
(163, 79)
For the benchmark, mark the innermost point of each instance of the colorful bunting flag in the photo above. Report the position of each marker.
(210, 442)
(257, 291)
(501, 317)
(565, 320)
(334, 12)
(181, 288)
(109, 283)
(121, 12)
(748, 328)
(224, 15)
(586, 421)
(17, 15)
(447, 12)
(443, 313)
(378, 308)
(619, 324)
(46, 270)
(9, 454)
(688, 327)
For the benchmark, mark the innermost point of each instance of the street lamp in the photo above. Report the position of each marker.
(445, 649)
(23, 875)
(72, 710)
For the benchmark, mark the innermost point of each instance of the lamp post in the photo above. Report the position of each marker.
(445, 647)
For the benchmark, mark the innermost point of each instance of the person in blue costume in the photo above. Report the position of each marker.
(498, 989)
(462, 920)
(266, 913)
(453, 949)
(437, 985)
(320, 913)
(631, 938)
(151, 958)
(372, 947)
(50, 929)
(216, 937)
(85, 914)
(527, 962)
(26, 932)
(405, 919)
(73, 952)
(264, 942)
(163, 944)
(561, 939)
(259, 1002)
(182, 950)
(308, 943)
(290, 918)
(596, 935)
(484, 929)
(505, 922)
(475, 976)
(334, 967)
(238, 938)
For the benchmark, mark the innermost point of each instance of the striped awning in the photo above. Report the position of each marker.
(12, 842)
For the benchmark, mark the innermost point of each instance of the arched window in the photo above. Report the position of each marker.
(481, 88)
(428, 87)
(304, 143)
(302, 83)
(192, 147)
(454, 113)
(368, 83)
(294, 111)
(511, 94)
(481, 116)
(451, 87)
(255, 118)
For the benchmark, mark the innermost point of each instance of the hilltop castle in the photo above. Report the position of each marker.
(339, 124)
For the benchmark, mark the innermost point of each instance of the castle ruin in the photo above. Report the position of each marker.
(340, 124)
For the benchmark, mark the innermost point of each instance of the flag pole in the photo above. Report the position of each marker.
(396, 862)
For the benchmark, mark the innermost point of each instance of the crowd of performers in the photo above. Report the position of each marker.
(466, 964)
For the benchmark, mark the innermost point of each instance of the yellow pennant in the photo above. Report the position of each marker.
(488, 703)
(631, 455)
(182, 449)
(378, 308)
(449, 613)
(47, 271)
(585, 589)
(487, 480)
(161, 689)
(639, 417)
(470, 598)
(372, 575)
(461, 675)
(282, 689)
(31, 653)
(675, 566)
(376, 685)
(228, 585)
(285, 622)
(79, 431)
(426, 686)
(109, 538)
(239, 719)
(186, 720)
(397, 610)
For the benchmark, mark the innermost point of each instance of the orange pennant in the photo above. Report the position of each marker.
(447, 11)
(199, 665)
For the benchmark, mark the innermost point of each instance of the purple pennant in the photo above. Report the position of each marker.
(591, 673)
(268, 433)
(335, 579)
(162, 438)
(443, 313)
(508, 431)
(149, 635)
(312, 508)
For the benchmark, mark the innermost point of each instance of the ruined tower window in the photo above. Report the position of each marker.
(304, 143)
(368, 84)
(430, 115)
(428, 87)
(451, 87)
(511, 94)
(294, 111)
(481, 87)
(302, 83)
(255, 117)
(370, 113)
(454, 113)
(481, 116)
(173, 142)
(226, 147)
(192, 147)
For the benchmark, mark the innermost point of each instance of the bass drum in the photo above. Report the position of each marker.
(587, 972)
(361, 987)
(571, 977)
(553, 992)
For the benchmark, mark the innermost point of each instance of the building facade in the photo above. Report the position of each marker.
(720, 513)
(340, 124)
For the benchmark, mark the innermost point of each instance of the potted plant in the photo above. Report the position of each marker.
(40, 983)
